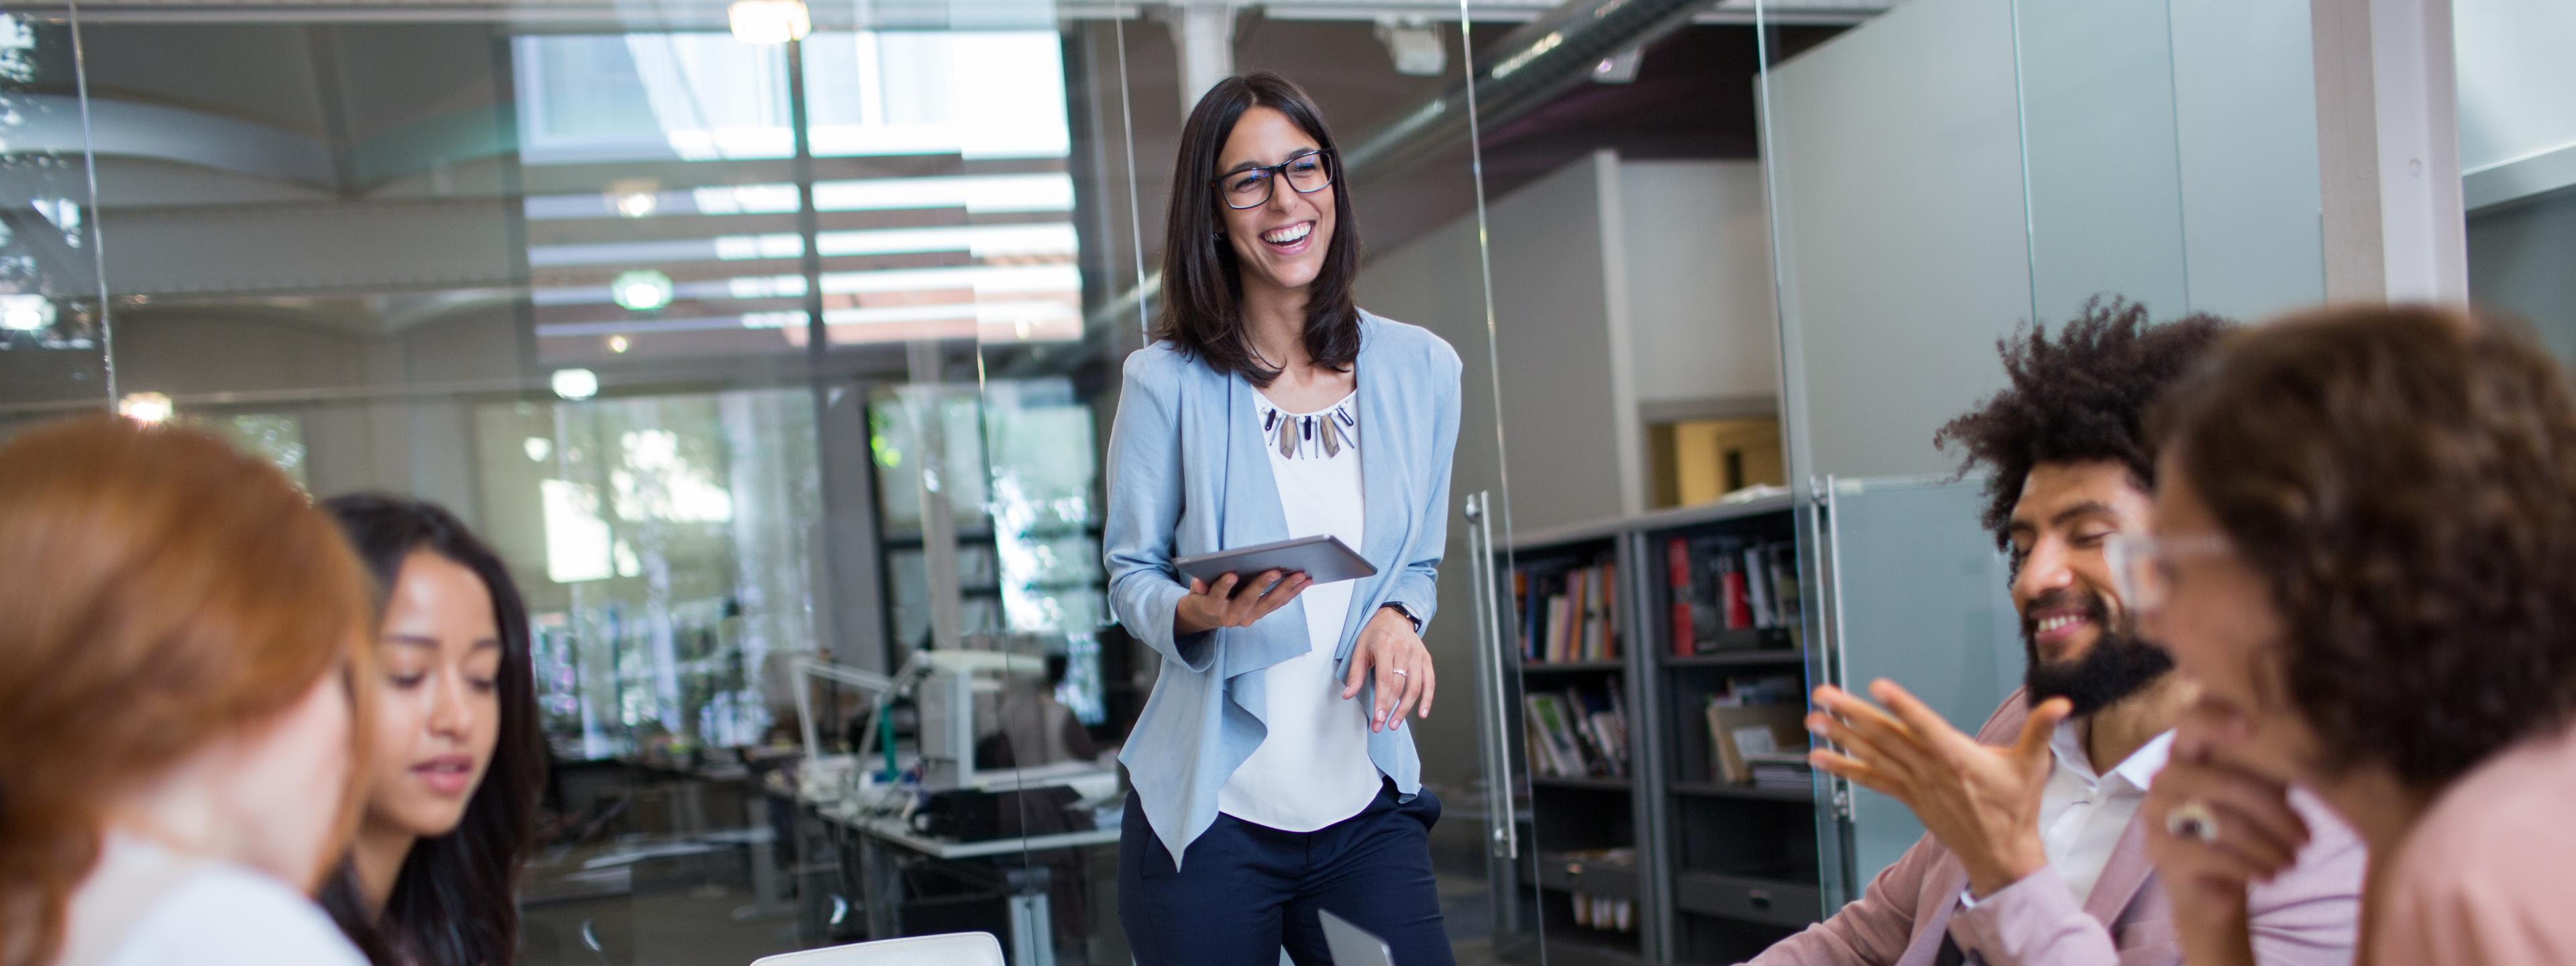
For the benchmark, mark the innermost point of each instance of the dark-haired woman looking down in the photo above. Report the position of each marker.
(452, 791)
(1274, 779)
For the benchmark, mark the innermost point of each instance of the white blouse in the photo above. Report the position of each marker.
(144, 905)
(1312, 768)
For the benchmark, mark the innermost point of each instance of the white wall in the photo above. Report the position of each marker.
(1954, 168)
(1568, 397)
(1697, 248)
(2517, 115)
(1689, 319)
(1896, 162)
(2522, 261)
(2245, 93)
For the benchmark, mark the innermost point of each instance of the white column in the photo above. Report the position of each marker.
(1203, 32)
(2389, 151)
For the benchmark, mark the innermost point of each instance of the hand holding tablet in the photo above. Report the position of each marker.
(1323, 557)
(1235, 588)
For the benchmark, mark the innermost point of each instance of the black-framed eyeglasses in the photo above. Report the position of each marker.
(1306, 173)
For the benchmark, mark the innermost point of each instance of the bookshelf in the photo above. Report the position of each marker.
(1574, 621)
(1894, 577)
(1741, 868)
(1713, 870)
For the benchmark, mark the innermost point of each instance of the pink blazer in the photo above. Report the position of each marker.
(2487, 877)
(2305, 917)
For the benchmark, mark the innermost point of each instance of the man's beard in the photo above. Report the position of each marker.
(2119, 664)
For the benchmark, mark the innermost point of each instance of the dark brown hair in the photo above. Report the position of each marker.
(1203, 284)
(455, 899)
(159, 593)
(2405, 479)
(2079, 398)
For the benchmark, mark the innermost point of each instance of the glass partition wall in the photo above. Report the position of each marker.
(53, 322)
(1939, 176)
(775, 348)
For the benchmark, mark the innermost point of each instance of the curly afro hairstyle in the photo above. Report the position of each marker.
(2081, 397)
(2400, 476)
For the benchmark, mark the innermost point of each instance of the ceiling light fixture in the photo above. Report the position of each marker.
(148, 408)
(619, 345)
(576, 384)
(769, 21)
(1414, 44)
(635, 197)
(26, 313)
(641, 290)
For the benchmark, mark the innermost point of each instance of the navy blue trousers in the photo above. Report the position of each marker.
(1248, 890)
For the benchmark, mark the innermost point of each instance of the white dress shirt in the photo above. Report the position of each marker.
(2081, 814)
(1312, 768)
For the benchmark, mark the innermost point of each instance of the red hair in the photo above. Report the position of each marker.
(162, 592)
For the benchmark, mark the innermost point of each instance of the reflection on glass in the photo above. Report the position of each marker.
(51, 333)
(275, 437)
(941, 200)
(671, 556)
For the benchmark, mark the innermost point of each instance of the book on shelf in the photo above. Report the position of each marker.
(1577, 733)
(1722, 586)
(1784, 770)
(1568, 613)
(1752, 718)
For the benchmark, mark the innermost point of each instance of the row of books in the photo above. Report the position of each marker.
(1722, 585)
(1757, 732)
(1577, 733)
(1568, 613)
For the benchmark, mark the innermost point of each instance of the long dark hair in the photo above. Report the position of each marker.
(455, 900)
(1202, 282)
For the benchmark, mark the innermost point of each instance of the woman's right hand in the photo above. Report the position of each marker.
(2258, 835)
(1208, 608)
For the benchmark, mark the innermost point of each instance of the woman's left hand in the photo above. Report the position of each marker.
(1389, 649)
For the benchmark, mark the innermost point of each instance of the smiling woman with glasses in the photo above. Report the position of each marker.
(1274, 777)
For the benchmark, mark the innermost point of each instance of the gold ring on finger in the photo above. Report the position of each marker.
(2193, 820)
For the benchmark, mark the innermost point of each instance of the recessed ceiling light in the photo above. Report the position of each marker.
(576, 384)
(25, 313)
(148, 408)
(641, 290)
(769, 21)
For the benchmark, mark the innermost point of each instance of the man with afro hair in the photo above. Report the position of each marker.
(2033, 853)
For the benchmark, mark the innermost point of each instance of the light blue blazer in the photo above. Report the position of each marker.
(1188, 474)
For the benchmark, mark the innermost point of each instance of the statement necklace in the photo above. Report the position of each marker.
(1325, 434)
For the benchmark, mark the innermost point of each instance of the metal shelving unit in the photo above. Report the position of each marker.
(1703, 891)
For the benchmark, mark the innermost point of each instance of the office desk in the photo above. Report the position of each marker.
(1032, 938)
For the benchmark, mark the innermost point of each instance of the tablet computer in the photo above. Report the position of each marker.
(1352, 945)
(1323, 557)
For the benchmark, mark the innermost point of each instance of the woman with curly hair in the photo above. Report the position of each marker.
(2365, 555)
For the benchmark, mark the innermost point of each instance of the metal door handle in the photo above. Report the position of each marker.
(1504, 836)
